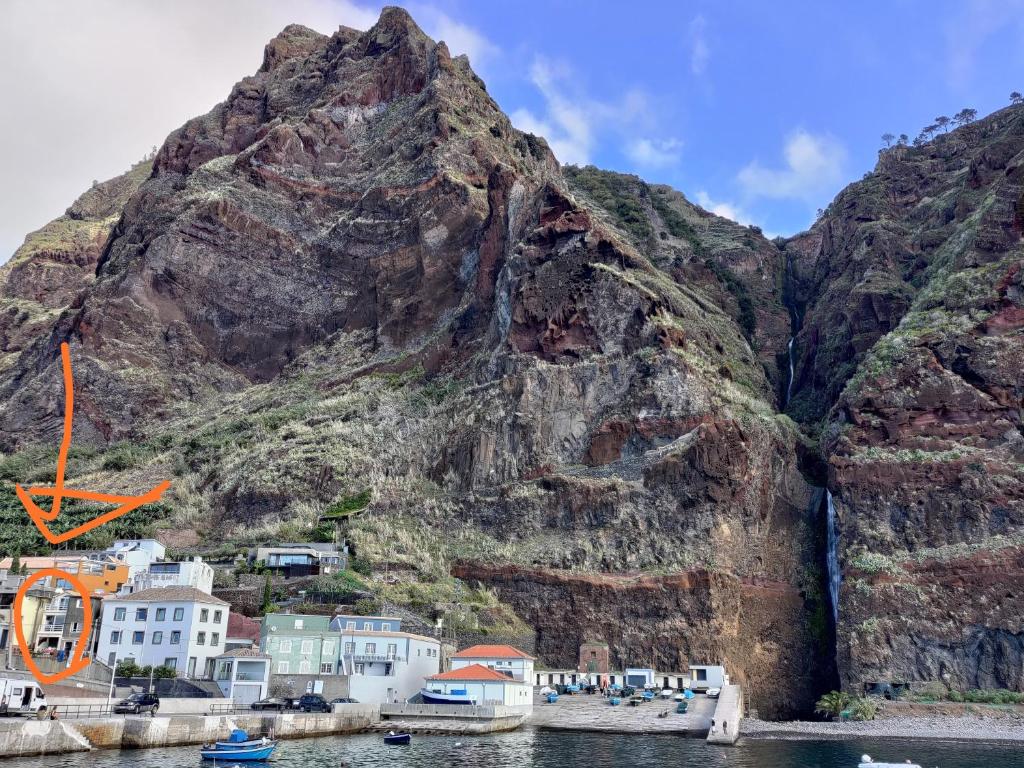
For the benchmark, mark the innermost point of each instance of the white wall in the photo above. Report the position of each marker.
(510, 693)
(521, 669)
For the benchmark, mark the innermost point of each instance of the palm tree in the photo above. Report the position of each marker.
(864, 709)
(832, 703)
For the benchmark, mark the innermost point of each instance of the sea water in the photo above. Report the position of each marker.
(529, 747)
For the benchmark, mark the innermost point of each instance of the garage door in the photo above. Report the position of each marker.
(246, 694)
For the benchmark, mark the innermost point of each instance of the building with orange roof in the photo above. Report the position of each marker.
(483, 685)
(504, 659)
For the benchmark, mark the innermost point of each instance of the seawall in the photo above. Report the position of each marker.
(39, 737)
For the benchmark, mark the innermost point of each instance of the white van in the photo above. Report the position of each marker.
(21, 697)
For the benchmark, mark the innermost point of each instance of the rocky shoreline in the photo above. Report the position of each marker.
(950, 728)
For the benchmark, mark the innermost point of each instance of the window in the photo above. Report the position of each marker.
(115, 637)
(179, 614)
(140, 614)
(367, 626)
(76, 627)
(204, 615)
(119, 614)
(138, 638)
(350, 625)
(386, 626)
(392, 649)
(171, 661)
(161, 614)
(217, 616)
(201, 638)
(304, 667)
(360, 669)
(307, 647)
(62, 604)
(350, 648)
(158, 638)
(328, 646)
(175, 637)
(282, 667)
(300, 623)
(371, 648)
(326, 668)
(215, 639)
(419, 651)
(286, 646)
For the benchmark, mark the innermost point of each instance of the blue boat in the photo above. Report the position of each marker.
(615, 701)
(648, 695)
(456, 696)
(552, 698)
(239, 747)
(397, 738)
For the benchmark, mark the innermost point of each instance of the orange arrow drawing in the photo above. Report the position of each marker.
(77, 661)
(58, 492)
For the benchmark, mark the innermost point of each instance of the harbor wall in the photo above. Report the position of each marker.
(35, 737)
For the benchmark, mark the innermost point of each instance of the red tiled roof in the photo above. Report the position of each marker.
(491, 652)
(475, 672)
(240, 625)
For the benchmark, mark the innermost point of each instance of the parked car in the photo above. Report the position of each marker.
(278, 703)
(138, 703)
(343, 700)
(313, 702)
(713, 693)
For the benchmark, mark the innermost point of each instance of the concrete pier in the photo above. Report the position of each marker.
(728, 713)
(441, 718)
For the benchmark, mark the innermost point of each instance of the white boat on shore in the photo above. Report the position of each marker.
(867, 762)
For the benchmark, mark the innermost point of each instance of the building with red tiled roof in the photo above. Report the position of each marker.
(504, 659)
(243, 632)
(484, 685)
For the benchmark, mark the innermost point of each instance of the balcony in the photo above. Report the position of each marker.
(371, 658)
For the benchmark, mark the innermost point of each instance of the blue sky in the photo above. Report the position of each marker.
(761, 111)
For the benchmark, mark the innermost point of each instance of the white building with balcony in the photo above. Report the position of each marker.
(187, 573)
(179, 627)
(137, 554)
(382, 663)
(243, 675)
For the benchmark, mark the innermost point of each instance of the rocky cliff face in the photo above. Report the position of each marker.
(922, 363)
(563, 384)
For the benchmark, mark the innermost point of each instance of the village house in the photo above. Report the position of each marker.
(292, 560)
(380, 662)
(243, 675)
(178, 627)
(187, 573)
(483, 685)
(503, 659)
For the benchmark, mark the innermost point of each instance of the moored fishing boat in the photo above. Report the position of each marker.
(455, 696)
(240, 748)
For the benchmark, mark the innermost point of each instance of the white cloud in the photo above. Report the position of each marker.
(573, 123)
(89, 87)
(813, 168)
(654, 153)
(700, 51)
(720, 208)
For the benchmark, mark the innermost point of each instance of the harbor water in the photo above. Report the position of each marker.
(529, 747)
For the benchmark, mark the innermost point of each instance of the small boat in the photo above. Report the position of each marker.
(571, 689)
(636, 701)
(239, 747)
(688, 694)
(648, 695)
(552, 698)
(455, 696)
(681, 707)
(679, 697)
(546, 690)
(666, 693)
(615, 701)
(397, 738)
(867, 762)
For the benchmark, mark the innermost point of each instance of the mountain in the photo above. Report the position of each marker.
(547, 404)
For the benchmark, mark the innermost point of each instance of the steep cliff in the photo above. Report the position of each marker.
(909, 292)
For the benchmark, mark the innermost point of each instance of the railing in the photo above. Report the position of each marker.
(79, 711)
(362, 657)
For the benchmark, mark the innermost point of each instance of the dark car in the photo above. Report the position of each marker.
(278, 703)
(344, 700)
(138, 703)
(313, 702)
